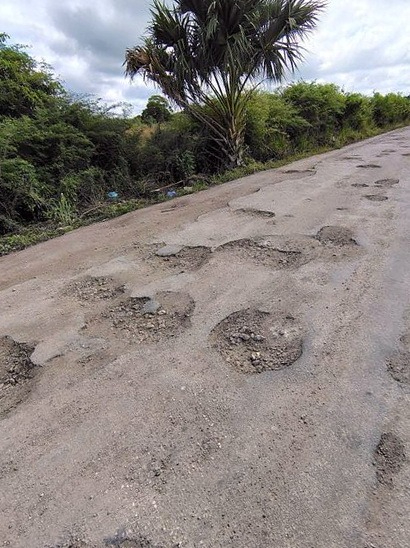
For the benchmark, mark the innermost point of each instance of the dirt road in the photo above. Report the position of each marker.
(228, 369)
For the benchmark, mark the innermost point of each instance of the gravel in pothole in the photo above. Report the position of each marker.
(145, 319)
(360, 185)
(398, 366)
(94, 288)
(183, 258)
(386, 183)
(16, 372)
(338, 236)
(375, 197)
(276, 252)
(252, 341)
(388, 458)
(369, 166)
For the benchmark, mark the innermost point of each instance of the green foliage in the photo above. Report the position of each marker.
(156, 111)
(62, 211)
(271, 122)
(28, 237)
(321, 106)
(24, 83)
(390, 109)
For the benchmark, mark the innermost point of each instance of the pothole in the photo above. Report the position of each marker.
(143, 319)
(386, 183)
(252, 341)
(125, 540)
(276, 252)
(184, 258)
(360, 185)
(369, 166)
(16, 372)
(288, 171)
(389, 457)
(406, 154)
(256, 212)
(94, 289)
(375, 197)
(398, 366)
(336, 236)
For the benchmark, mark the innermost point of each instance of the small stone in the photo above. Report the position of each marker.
(169, 250)
(150, 307)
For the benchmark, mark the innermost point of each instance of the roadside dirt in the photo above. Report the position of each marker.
(227, 370)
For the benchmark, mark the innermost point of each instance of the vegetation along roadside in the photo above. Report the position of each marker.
(67, 160)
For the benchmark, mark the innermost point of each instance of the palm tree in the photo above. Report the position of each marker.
(205, 54)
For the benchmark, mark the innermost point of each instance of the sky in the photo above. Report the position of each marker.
(360, 45)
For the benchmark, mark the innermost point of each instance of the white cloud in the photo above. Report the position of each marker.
(361, 45)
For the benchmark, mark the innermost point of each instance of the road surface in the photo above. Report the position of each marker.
(227, 369)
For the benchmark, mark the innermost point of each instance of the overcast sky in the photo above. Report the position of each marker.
(361, 45)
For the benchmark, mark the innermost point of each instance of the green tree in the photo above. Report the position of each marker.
(157, 110)
(203, 54)
(24, 83)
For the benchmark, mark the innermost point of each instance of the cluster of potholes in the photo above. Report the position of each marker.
(276, 252)
(390, 452)
(16, 372)
(380, 183)
(251, 341)
(257, 347)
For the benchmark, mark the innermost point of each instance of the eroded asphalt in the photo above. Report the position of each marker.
(228, 369)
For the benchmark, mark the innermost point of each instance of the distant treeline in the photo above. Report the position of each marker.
(60, 155)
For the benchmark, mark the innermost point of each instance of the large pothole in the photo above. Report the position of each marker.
(144, 319)
(94, 289)
(337, 236)
(252, 341)
(276, 252)
(16, 372)
(388, 458)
